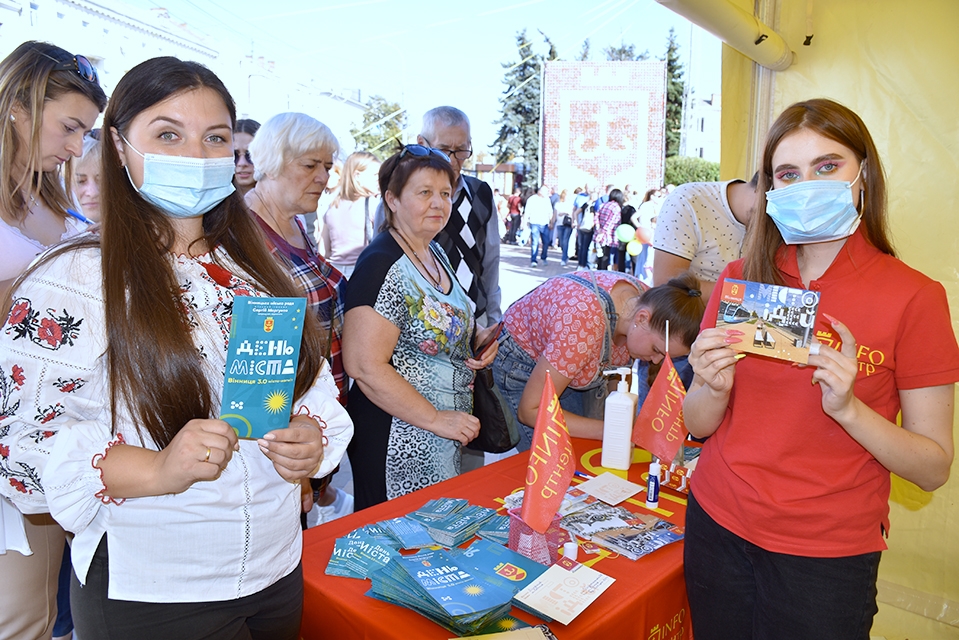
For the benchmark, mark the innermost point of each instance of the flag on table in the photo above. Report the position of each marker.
(551, 463)
(659, 427)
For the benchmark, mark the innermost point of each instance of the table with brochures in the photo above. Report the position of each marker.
(647, 601)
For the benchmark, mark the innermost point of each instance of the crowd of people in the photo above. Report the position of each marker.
(585, 226)
(125, 249)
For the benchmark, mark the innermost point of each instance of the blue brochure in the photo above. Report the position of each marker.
(261, 364)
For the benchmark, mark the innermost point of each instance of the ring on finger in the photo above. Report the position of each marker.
(206, 458)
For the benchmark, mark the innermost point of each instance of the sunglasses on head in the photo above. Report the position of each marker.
(420, 151)
(242, 154)
(80, 66)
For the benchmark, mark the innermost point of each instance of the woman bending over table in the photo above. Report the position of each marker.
(577, 325)
(407, 337)
(789, 507)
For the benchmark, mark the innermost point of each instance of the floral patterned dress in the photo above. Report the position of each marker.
(391, 457)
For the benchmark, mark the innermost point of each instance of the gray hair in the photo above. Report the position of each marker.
(442, 117)
(285, 137)
(91, 153)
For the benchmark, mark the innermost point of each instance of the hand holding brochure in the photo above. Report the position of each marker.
(261, 364)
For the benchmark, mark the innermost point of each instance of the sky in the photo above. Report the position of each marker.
(426, 53)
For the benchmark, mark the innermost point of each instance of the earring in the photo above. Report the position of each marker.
(13, 118)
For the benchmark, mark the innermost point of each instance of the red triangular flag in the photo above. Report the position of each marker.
(659, 427)
(551, 463)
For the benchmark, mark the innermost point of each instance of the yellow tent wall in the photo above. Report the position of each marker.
(896, 64)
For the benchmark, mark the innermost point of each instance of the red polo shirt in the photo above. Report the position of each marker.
(781, 473)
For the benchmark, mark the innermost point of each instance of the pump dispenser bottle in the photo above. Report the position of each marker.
(618, 424)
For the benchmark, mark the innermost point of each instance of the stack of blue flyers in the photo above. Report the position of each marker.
(434, 584)
(357, 554)
(437, 509)
(496, 529)
(409, 534)
(459, 526)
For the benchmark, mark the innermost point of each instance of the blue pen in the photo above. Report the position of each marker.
(582, 475)
(79, 216)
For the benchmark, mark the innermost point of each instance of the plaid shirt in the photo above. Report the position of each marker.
(323, 286)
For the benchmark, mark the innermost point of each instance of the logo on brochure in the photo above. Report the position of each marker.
(268, 324)
(511, 572)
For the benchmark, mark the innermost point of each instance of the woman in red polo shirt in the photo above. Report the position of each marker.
(789, 507)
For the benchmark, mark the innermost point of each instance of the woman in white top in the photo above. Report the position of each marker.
(117, 346)
(49, 99)
(347, 226)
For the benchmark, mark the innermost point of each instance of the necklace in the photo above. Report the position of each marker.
(437, 281)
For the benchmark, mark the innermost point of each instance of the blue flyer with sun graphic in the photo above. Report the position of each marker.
(261, 364)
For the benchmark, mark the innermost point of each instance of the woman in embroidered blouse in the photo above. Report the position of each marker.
(577, 325)
(407, 337)
(117, 343)
(49, 103)
(786, 520)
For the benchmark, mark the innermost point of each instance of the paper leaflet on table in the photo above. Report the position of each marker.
(659, 427)
(551, 462)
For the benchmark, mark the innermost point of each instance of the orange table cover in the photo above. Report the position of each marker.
(647, 601)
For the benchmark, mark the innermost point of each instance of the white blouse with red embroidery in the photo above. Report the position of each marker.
(217, 540)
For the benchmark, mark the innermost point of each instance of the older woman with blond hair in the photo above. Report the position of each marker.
(292, 154)
(347, 226)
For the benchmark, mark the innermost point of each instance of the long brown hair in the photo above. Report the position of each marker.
(836, 122)
(153, 361)
(29, 78)
(349, 190)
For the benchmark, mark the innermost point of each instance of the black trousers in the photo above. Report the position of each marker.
(738, 591)
(272, 614)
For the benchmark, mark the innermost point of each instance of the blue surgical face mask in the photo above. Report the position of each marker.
(184, 187)
(814, 210)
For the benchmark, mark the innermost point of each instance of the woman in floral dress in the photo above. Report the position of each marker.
(406, 340)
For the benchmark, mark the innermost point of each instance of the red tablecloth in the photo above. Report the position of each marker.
(647, 601)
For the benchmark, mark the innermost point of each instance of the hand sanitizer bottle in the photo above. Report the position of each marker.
(618, 424)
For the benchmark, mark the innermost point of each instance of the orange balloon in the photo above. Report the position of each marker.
(644, 235)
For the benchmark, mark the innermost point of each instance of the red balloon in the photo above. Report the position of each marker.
(644, 235)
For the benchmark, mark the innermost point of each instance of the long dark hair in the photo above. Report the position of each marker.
(836, 122)
(153, 362)
(616, 196)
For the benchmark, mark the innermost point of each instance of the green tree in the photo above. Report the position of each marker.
(518, 137)
(682, 169)
(625, 52)
(383, 122)
(584, 52)
(674, 95)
